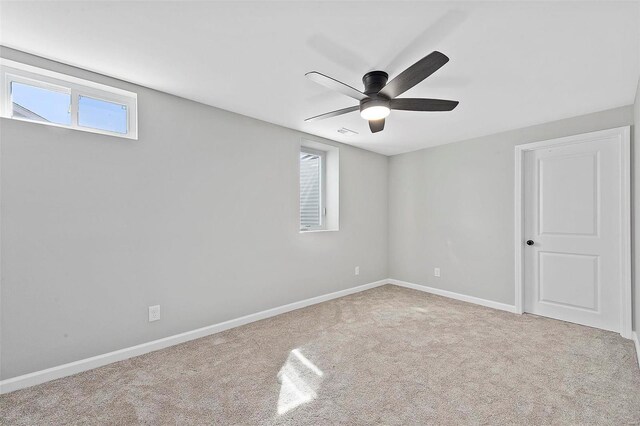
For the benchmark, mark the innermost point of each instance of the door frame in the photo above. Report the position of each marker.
(623, 135)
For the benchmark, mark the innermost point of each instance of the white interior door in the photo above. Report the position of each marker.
(573, 230)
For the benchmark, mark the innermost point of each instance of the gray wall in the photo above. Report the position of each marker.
(635, 147)
(451, 207)
(200, 215)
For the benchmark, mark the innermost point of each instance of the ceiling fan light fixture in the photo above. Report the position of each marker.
(375, 112)
(379, 97)
(374, 109)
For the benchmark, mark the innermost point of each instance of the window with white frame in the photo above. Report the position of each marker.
(34, 94)
(312, 183)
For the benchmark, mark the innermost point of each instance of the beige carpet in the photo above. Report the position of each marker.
(388, 355)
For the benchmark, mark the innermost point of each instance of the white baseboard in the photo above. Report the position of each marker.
(42, 376)
(457, 296)
(636, 340)
(38, 377)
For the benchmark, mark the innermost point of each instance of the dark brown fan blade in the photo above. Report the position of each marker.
(376, 125)
(413, 104)
(414, 74)
(333, 113)
(336, 85)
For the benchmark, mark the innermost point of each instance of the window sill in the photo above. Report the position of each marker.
(311, 231)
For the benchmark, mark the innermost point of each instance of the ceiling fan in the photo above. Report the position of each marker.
(379, 98)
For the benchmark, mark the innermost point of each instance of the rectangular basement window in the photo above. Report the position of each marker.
(319, 191)
(41, 96)
(312, 208)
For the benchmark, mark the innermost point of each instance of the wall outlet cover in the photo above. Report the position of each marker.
(436, 272)
(154, 313)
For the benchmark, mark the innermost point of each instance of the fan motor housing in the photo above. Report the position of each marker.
(374, 102)
(374, 81)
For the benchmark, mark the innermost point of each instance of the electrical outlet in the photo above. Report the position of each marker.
(436, 272)
(357, 270)
(154, 313)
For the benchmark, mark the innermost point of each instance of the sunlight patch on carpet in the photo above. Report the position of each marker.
(299, 380)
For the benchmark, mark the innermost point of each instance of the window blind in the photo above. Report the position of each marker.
(310, 187)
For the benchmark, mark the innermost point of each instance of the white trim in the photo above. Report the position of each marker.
(626, 297)
(623, 133)
(456, 296)
(636, 340)
(35, 378)
(519, 232)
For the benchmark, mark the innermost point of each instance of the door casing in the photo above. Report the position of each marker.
(623, 136)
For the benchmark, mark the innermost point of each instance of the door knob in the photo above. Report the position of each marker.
(529, 242)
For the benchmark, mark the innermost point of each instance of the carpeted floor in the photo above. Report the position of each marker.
(388, 355)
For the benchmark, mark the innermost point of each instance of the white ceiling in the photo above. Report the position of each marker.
(512, 64)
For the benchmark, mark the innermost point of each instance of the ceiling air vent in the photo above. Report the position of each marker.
(347, 132)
